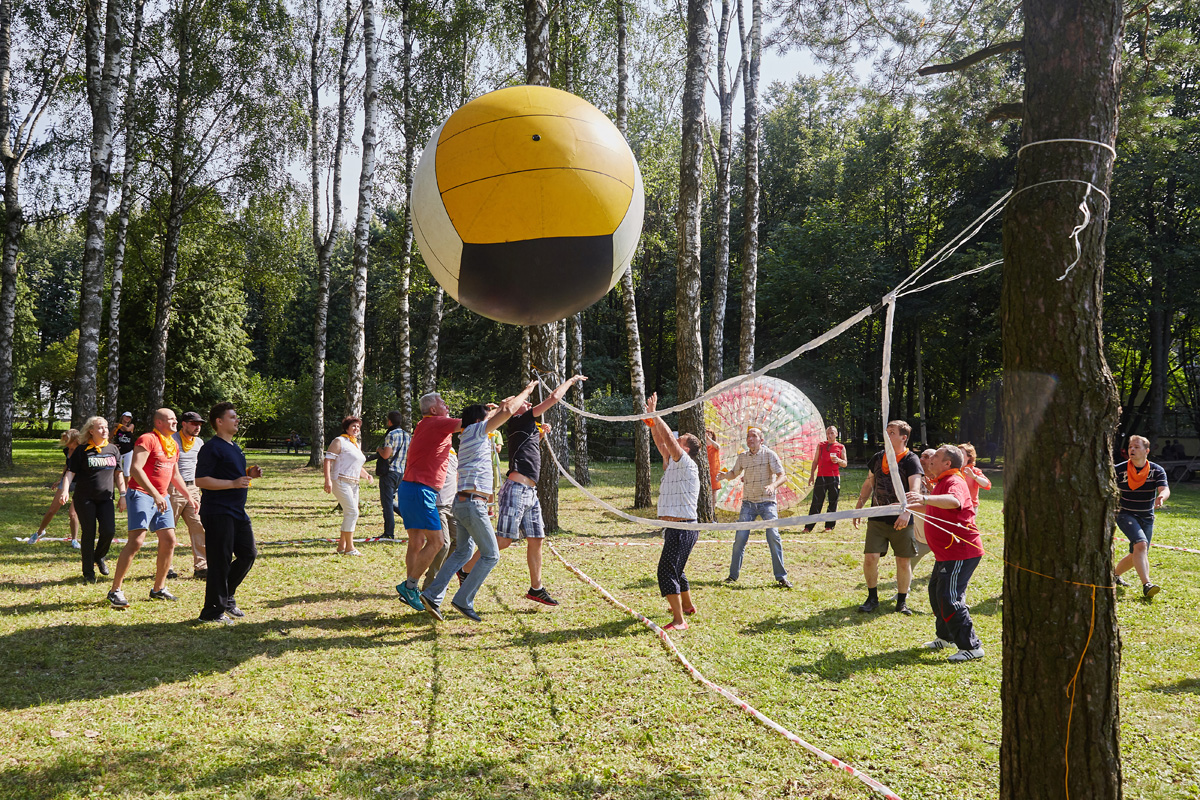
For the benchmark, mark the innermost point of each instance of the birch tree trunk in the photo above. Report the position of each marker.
(403, 323)
(579, 421)
(722, 158)
(362, 227)
(750, 194)
(429, 379)
(104, 47)
(637, 374)
(124, 206)
(688, 348)
(1062, 649)
(323, 241)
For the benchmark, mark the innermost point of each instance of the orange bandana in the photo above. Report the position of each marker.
(97, 447)
(951, 471)
(1135, 476)
(352, 439)
(887, 467)
(168, 446)
(186, 441)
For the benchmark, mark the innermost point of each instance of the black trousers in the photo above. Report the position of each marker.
(825, 486)
(948, 599)
(231, 554)
(93, 513)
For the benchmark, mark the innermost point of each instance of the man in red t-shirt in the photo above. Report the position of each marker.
(425, 469)
(154, 468)
(825, 471)
(955, 543)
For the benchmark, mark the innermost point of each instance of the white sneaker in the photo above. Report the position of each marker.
(937, 644)
(352, 552)
(33, 539)
(75, 543)
(967, 655)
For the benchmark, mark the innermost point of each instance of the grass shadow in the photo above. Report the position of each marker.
(835, 667)
(829, 619)
(1184, 686)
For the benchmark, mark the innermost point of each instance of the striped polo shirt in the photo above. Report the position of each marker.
(1140, 500)
(475, 459)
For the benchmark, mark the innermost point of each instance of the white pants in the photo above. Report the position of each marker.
(346, 493)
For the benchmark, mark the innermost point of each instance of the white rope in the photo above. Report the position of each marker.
(1107, 147)
(966, 274)
(885, 401)
(756, 525)
(951, 247)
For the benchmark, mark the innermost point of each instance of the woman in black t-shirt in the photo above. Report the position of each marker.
(124, 438)
(95, 466)
(68, 441)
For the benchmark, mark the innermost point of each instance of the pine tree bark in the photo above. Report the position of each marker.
(124, 206)
(689, 350)
(633, 340)
(323, 241)
(104, 48)
(362, 227)
(579, 422)
(1061, 650)
(750, 193)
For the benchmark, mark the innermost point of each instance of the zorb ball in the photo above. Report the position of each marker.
(791, 426)
(527, 205)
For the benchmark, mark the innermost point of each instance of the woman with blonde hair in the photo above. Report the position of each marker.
(94, 466)
(343, 466)
(68, 442)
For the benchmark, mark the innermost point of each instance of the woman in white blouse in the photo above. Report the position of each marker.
(344, 461)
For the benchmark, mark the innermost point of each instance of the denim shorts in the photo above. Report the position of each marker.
(144, 514)
(1136, 527)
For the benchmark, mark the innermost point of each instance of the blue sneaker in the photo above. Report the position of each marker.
(410, 596)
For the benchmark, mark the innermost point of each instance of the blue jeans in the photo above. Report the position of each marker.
(389, 482)
(750, 511)
(473, 520)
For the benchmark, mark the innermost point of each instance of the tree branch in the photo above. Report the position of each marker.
(1006, 111)
(974, 58)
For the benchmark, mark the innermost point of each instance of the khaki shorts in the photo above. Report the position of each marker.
(880, 534)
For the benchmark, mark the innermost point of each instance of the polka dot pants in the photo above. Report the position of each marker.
(677, 546)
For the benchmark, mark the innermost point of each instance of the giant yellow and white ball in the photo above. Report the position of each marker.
(527, 205)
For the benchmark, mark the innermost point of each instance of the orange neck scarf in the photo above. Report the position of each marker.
(97, 447)
(951, 471)
(168, 445)
(352, 439)
(1135, 476)
(186, 442)
(887, 467)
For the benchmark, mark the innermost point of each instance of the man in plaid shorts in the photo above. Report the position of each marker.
(520, 513)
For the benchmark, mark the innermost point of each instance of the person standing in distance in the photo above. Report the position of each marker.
(155, 467)
(343, 467)
(390, 469)
(896, 531)
(762, 473)
(223, 479)
(826, 473)
(189, 441)
(123, 436)
(1144, 489)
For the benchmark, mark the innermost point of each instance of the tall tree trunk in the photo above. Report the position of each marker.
(543, 339)
(323, 241)
(1061, 653)
(362, 226)
(750, 193)
(722, 158)
(104, 46)
(124, 206)
(689, 350)
(579, 427)
(14, 222)
(429, 379)
(633, 340)
(403, 322)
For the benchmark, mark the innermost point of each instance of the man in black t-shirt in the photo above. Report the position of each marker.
(1144, 488)
(894, 530)
(520, 512)
(223, 479)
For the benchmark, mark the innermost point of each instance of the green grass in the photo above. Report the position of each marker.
(330, 687)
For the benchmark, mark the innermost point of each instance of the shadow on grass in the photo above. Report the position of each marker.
(830, 618)
(85, 662)
(834, 666)
(1185, 686)
(266, 769)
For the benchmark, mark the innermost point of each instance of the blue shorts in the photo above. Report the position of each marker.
(418, 507)
(144, 514)
(1136, 527)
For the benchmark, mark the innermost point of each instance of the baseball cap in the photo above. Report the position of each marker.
(127, 414)
(191, 416)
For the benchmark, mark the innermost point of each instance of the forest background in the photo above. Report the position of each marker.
(227, 270)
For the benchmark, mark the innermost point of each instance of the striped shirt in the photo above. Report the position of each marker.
(1140, 500)
(679, 489)
(475, 453)
(397, 439)
(760, 469)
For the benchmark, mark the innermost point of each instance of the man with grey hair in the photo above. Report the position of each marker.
(955, 543)
(919, 522)
(425, 469)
